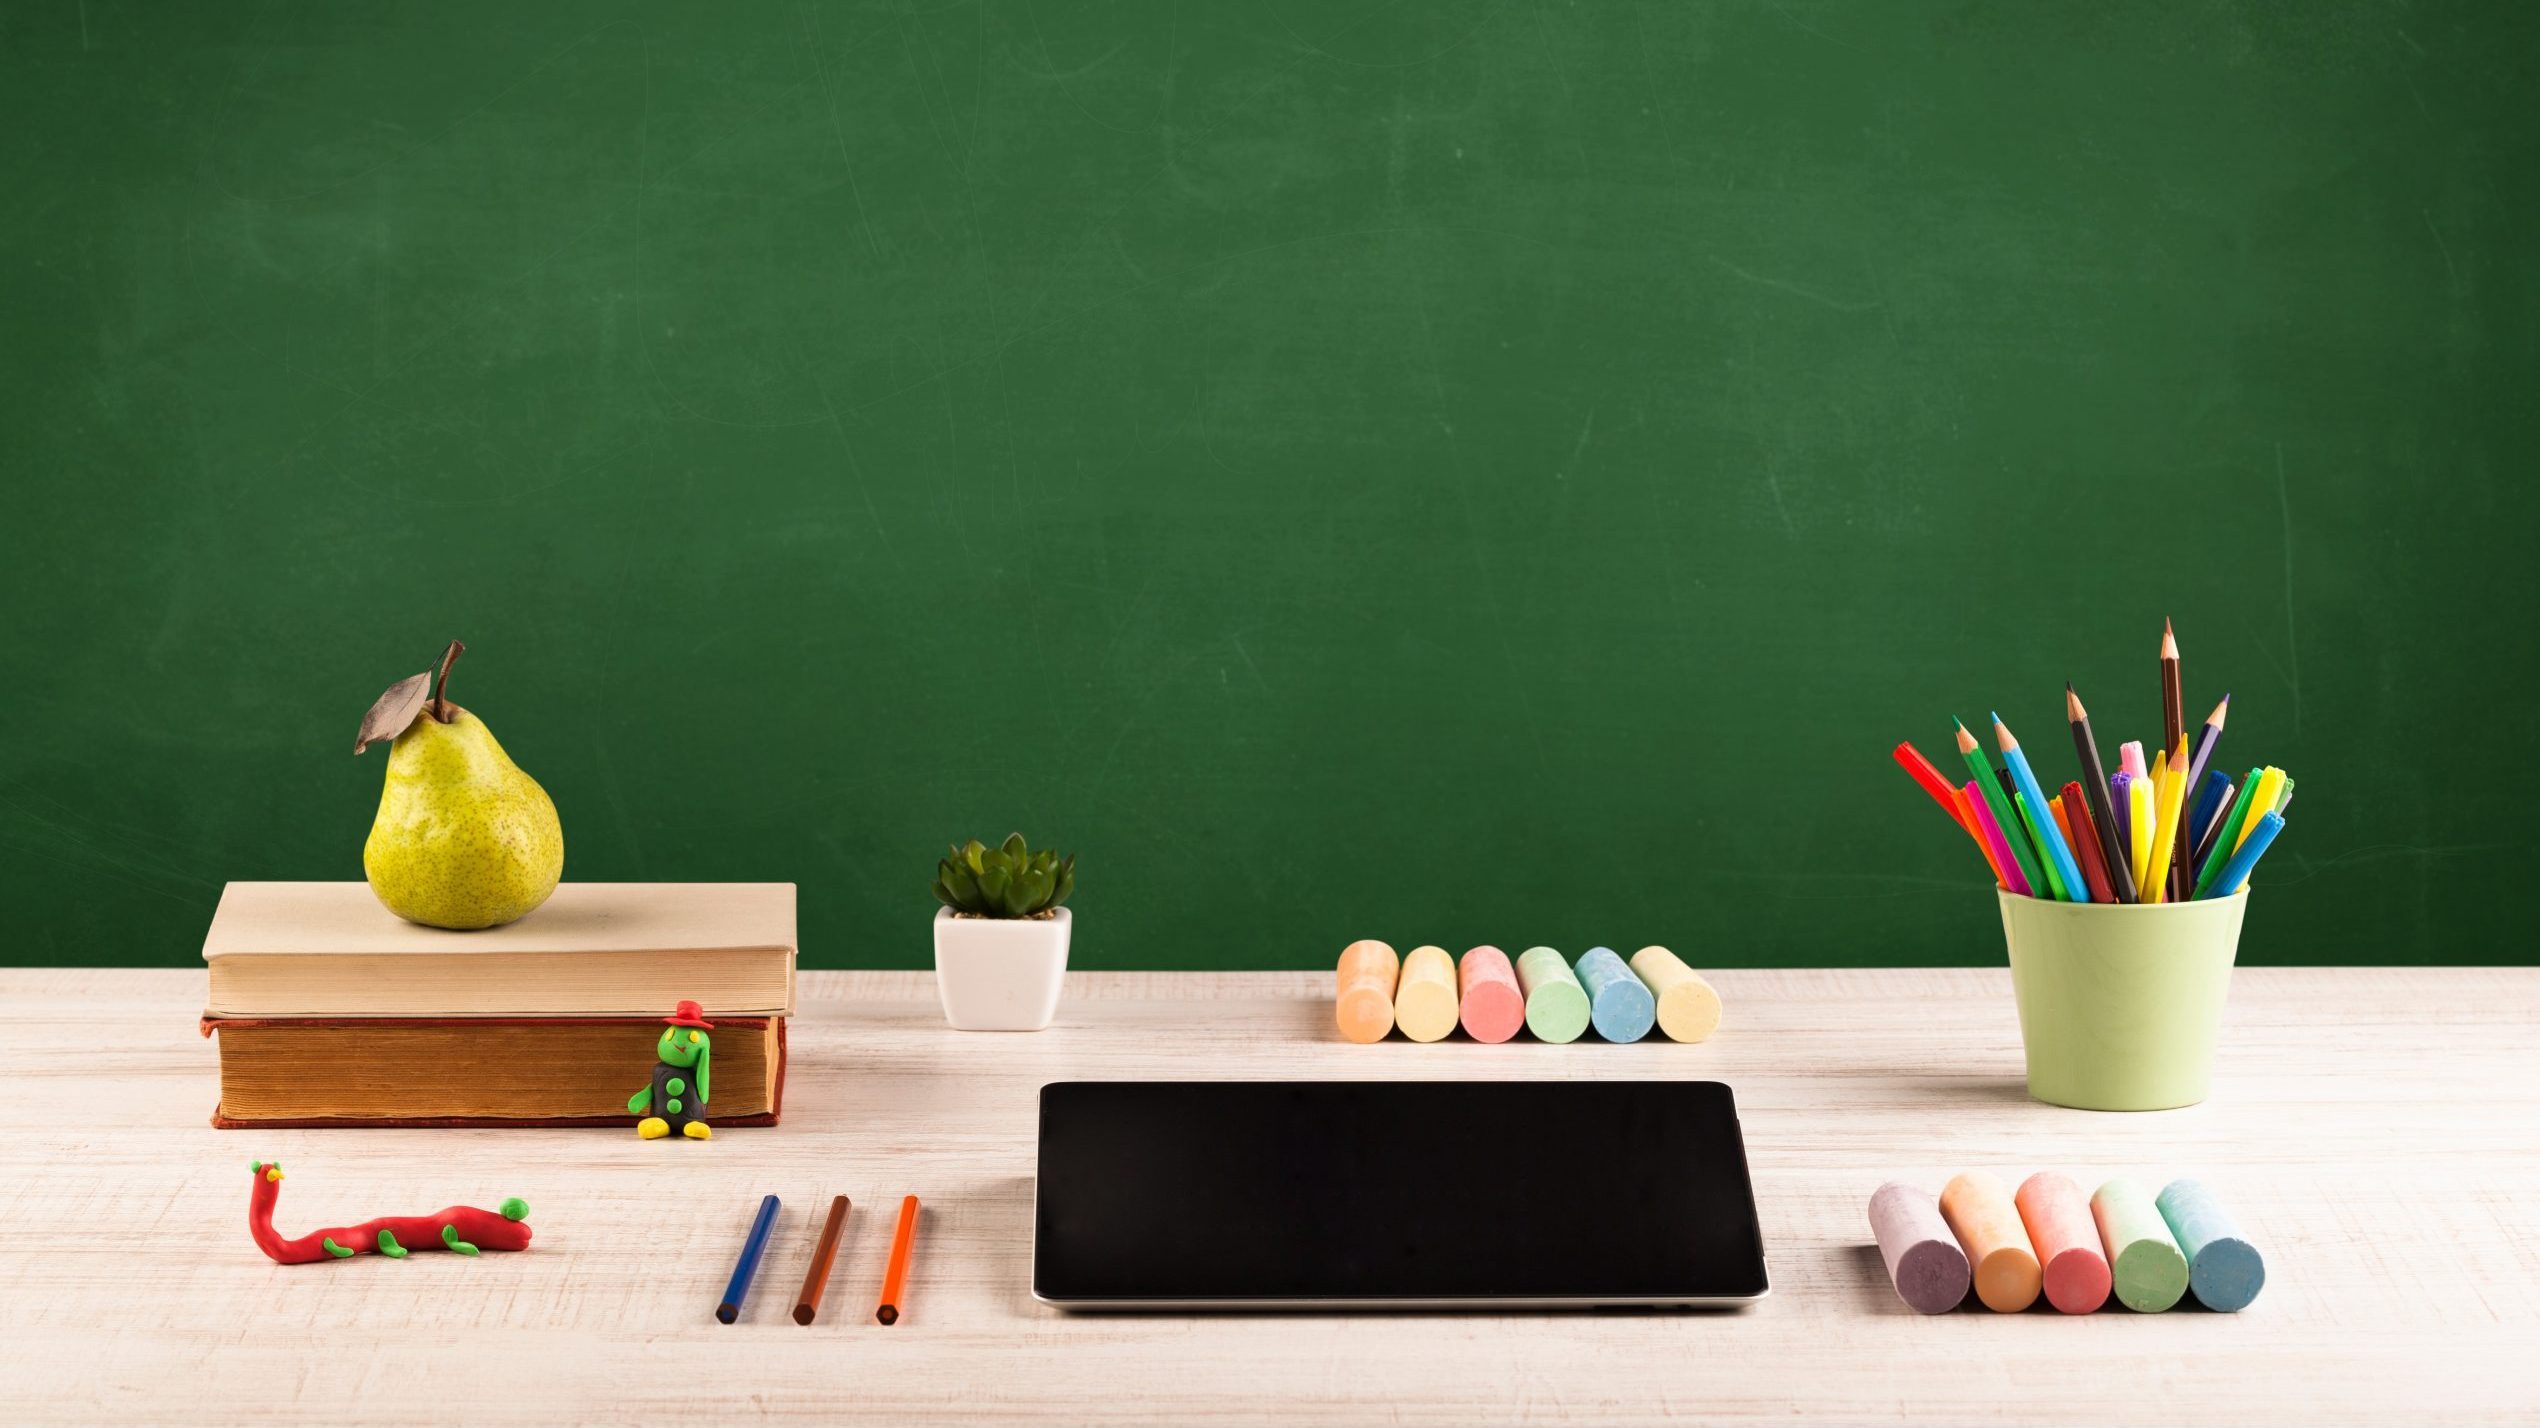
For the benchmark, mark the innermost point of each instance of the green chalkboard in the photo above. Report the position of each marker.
(1451, 472)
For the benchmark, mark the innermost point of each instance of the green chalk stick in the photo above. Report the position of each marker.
(1556, 1005)
(2149, 1268)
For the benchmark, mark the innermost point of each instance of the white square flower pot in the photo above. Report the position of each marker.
(997, 973)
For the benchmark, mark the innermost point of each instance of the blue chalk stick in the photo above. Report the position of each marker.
(2224, 1270)
(1619, 1004)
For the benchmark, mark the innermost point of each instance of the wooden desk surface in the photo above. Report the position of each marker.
(2377, 1131)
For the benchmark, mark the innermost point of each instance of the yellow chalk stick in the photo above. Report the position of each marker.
(1688, 1010)
(1424, 1001)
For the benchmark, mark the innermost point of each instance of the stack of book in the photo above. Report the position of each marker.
(330, 1011)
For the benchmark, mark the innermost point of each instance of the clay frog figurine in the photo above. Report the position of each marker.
(682, 1075)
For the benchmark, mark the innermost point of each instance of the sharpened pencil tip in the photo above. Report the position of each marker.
(2169, 640)
(2073, 712)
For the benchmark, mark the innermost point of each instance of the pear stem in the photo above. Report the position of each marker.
(441, 685)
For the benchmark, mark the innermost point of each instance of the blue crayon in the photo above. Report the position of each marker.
(2049, 837)
(2253, 846)
(742, 1273)
(1619, 1003)
(2224, 1270)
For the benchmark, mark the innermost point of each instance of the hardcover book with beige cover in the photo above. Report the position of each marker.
(329, 1010)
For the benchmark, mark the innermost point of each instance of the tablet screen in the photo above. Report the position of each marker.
(1234, 1194)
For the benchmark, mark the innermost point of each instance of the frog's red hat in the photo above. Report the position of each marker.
(690, 1014)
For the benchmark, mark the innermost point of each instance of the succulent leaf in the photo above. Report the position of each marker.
(994, 876)
(1028, 893)
(1011, 880)
(957, 878)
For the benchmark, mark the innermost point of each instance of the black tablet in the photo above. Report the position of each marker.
(1392, 1194)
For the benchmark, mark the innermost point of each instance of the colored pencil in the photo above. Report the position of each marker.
(824, 1255)
(2067, 871)
(2094, 784)
(2173, 725)
(2236, 870)
(2270, 787)
(2084, 841)
(2173, 697)
(1996, 841)
(2165, 829)
(2206, 737)
(2029, 821)
(2005, 816)
(895, 1274)
(1944, 793)
(742, 1273)
(2227, 838)
(1967, 814)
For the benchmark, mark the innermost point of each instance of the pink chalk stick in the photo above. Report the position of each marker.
(1493, 1005)
(2066, 1238)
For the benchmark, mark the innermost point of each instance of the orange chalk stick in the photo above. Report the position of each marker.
(2066, 1238)
(1365, 1006)
(1980, 1212)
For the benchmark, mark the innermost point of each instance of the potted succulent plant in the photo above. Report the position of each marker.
(1001, 935)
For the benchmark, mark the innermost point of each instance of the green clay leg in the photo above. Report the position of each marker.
(450, 1237)
(335, 1249)
(388, 1246)
(514, 1208)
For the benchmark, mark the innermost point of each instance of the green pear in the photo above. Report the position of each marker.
(465, 838)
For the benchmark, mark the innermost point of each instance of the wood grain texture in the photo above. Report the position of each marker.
(2376, 1131)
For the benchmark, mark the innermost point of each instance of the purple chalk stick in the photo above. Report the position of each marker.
(1923, 1257)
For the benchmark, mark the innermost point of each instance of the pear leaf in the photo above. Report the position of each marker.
(395, 711)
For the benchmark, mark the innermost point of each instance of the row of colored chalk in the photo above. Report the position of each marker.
(1429, 994)
(2149, 1250)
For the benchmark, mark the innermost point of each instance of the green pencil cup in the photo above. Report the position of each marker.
(2120, 1003)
